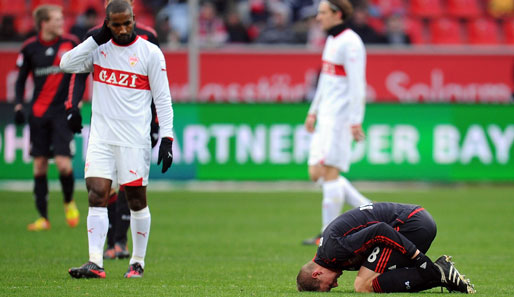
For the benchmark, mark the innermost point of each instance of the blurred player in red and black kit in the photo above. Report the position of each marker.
(49, 135)
(118, 210)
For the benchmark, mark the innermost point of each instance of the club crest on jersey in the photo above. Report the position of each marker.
(49, 52)
(133, 60)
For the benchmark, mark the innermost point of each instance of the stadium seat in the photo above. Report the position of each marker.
(426, 8)
(377, 24)
(464, 8)
(483, 31)
(13, 7)
(145, 19)
(414, 28)
(24, 23)
(445, 31)
(36, 3)
(508, 31)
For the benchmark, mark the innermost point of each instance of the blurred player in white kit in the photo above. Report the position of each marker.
(337, 111)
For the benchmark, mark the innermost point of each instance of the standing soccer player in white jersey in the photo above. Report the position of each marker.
(337, 111)
(127, 72)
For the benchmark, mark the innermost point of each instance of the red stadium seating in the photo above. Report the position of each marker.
(11, 7)
(483, 31)
(426, 8)
(464, 8)
(414, 28)
(36, 3)
(24, 23)
(445, 31)
(508, 31)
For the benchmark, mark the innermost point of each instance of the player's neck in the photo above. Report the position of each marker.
(335, 30)
(47, 36)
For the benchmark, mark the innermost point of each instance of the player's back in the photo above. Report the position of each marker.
(358, 218)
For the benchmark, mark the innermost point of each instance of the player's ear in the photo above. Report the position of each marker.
(316, 273)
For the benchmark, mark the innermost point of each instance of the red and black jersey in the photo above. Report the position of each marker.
(351, 236)
(79, 87)
(41, 59)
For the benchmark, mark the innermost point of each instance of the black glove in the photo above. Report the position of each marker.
(19, 117)
(103, 35)
(165, 153)
(74, 119)
(154, 133)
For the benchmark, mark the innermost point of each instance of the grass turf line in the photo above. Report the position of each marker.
(243, 244)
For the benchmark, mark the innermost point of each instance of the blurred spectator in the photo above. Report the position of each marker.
(84, 23)
(298, 8)
(359, 24)
(501, 8)
(211, 29)
(308, 30)
(237, 31)
(176, 11)
(278, 29)
(8, 30)
(395, 30)
(166, 34)
(258, 11)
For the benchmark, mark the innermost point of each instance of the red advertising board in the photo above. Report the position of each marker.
(290, 76)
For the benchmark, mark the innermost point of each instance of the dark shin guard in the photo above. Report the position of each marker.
(67, 185)
(403, 280)
(122, 218)
(41, 195)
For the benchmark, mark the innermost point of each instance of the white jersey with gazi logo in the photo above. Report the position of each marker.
(125, 79)
(341, 90)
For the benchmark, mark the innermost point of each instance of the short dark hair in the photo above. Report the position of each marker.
(42, 13)
(344, 6)
(117, 6)
(304, 279)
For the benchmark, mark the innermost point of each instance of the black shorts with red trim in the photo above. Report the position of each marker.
(50, 136)
(419, 228)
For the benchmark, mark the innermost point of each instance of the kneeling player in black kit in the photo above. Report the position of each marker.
(386, 243)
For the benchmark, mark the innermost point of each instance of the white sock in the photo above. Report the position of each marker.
(333, 200)
(353, 197)
(97, 226)
(140, 228)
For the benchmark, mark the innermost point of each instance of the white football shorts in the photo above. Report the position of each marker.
(331, 145)
(125, 166)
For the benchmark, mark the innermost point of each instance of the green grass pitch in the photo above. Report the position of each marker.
(244, 244)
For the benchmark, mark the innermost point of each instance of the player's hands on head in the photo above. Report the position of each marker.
(154, 133)
(103, 35)
(19, 116)
(74, 119)
(165, 153)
